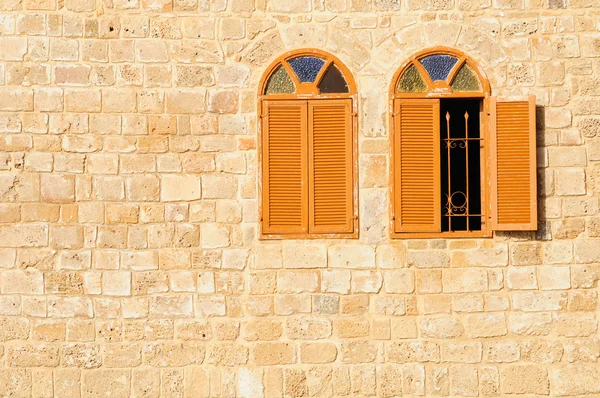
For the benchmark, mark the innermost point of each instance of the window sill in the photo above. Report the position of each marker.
(262, 236)
(441, 235)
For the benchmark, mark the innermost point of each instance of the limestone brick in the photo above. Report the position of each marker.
(524, 379)
(131, 256)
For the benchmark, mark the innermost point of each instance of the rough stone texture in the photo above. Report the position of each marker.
(130, 263)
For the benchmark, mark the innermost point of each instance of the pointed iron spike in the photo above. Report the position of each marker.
(466, 115)
(447, 115)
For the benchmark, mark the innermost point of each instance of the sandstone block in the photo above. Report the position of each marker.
(461, 352)
(441, 328)
(116, 283)
(318, 353)
(58, 188)
(99, 383)
(308, 328)
(351, 256)
(366, 281)
(464, 381)
(32, 355)
(214, 236)
(13, 48)
(179, 188)
(171, 306)
(576, 380)
(391, 256)
(399, 281)
(22, 282)
(15, 382)
(186, 102)
(167, 354)
(304, 256)
(535, 302)
(274, 353)
(13, 328)
(336, 281)
(414, 351)
(219, 187)
(16, 99)
(525, 379)
(486, 325)
(522, 278)
(87, 356)
(464, 280)
(358, 351)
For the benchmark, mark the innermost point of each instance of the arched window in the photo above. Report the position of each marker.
(307, 103)
(463, 161)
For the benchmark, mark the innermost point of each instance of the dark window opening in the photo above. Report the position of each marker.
(333, 81)
(461, 147)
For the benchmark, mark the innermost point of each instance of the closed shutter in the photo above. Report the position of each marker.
(417, 188)
(513, 164)
(330, 166)
(285, 176)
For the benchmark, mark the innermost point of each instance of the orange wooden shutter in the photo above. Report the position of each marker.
(285, 177)
(513, 164)
(330, 166)
(417, 187)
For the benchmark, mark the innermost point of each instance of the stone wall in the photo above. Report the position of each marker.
(129, 256)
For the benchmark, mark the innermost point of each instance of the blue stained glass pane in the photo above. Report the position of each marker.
(306, 68)
(438, 66)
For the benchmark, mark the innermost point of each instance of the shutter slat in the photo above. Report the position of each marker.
(331, 166)
(285, 167)
(417, 189)
(512, 135)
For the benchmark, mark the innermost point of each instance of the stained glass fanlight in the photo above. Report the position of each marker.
(411, 82)
(439, 73)
(438, 66)
(333, 81)
(466, 80)
(280, 82)
(307, 70)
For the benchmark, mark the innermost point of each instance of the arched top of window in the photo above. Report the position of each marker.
(440, 71)
(307, 73)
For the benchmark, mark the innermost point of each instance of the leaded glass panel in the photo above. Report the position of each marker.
(306, 68)
(280, 82)
(438, 66)
(411, 82)
(466, 80)
(333, 81)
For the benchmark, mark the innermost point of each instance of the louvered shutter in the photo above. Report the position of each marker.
(417, 188)
(513, 164)
(330, 166)
(285, 171)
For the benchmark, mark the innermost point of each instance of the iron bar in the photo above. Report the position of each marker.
(462, 139)
(467, 163)
(449, 179)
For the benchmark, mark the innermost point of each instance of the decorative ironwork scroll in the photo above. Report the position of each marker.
(457, 202)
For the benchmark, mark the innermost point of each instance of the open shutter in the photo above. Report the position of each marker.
(330, 166)
(417, 188)
(285, 185)
(513, 164)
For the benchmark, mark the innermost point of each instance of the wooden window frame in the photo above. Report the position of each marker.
(442, 90)
(308, 92)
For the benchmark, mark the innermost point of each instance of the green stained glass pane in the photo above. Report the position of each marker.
(466, 80)
(411, 82)
(280, 82)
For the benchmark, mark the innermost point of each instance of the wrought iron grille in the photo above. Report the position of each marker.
(457, 194)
